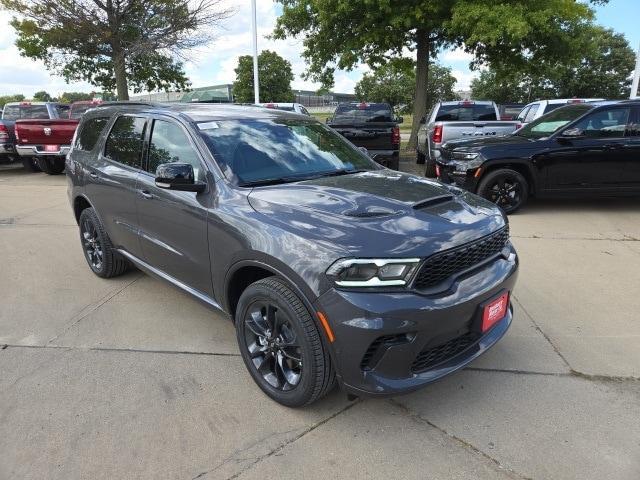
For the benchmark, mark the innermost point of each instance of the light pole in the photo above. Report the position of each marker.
(636, 77)
(254, 23)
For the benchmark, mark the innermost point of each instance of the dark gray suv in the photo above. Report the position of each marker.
(332, 267)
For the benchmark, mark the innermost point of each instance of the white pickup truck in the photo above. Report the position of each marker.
(454, 120)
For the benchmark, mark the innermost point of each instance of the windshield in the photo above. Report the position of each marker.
(363, 113)
(252, 152)
(466, 111)
(547, 124)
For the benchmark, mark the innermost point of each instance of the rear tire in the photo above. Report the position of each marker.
(30, 164)
(102, 258)
(394, 164)
(51, 166)
(420, 158)
(430, 171)
(281, 345)
(506, 188)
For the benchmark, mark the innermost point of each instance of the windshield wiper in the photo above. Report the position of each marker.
(298, 178)
(339, 172)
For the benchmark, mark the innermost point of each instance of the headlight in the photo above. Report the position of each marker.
(372, 272)
(464, 155)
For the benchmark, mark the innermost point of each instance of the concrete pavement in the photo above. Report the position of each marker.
(130, 378)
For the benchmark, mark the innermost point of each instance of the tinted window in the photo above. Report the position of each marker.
(170, 144)
(89, 133)
(547, 124)
(465, 111)
(62, 111)
(553, 106)
(604, 123)
(531, 114)
(633, 127)
(261, 150)
(363, 112)
(523, 113)
(16, 112)
(124, 144)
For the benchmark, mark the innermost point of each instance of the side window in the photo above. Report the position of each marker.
(89, 133)
(633, 127)
(124, 144)
(304, 110)
(523, 113)
(531, 114)
(170, 144)
(605, 123)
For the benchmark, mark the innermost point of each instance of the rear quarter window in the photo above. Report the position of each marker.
(89, 132)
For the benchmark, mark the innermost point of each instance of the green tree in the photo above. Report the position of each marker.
(42, 96)
(341, 33)
(274, 74)
(118, 44)
(394, 83)
(70, 97)
(602, 69)
(10, 98)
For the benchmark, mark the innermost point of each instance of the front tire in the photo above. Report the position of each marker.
(30, 164)
(281, 345)
(506, 188)
(420, 158)
(102, 258)
(51, 166)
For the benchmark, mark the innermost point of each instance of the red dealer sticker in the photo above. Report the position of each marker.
(495, 311)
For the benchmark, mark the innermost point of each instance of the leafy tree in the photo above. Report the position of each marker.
(341, 33)
(602, 70)
(274, 74)
(10, 98)
(117, 44)
(70, 97)
(42, 96)
(394, 83)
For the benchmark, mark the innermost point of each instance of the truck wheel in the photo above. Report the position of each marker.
(394, 163)
(506, 188)
(420, 158)
(51, 166)
(30, 164)
(281, 345)
(102, 258)
(431, 168)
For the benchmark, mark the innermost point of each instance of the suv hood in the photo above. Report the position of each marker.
(476, 144)
(378, 213)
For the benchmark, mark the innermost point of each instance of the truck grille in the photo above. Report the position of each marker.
(443, 265)
(433, 356)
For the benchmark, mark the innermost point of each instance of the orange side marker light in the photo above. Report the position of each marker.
(327, 328)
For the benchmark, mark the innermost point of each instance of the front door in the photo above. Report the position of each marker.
(597, 160)
(173, 224)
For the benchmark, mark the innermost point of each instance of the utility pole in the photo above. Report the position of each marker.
(636, 77)
(256, 84)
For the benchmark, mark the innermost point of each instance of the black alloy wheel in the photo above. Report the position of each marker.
(104, 260)
(273, 345)
(91, 245)
(281, 345)
(506, 188)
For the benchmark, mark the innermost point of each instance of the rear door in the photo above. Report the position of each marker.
(111, 186)
(173, 225)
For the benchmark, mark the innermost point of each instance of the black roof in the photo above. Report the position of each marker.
(200, 112)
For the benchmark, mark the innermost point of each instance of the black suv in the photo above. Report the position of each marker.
(584, 149)
(331, 266)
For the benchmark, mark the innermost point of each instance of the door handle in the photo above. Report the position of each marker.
(146, 194)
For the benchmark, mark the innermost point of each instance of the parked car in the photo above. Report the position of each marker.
(371, 126)
(77, 109)
(452, 120)
(331, 267)
(539, 108)
(586, 149)
(509, 111)
(287, 107)
(48, 141)
(19, 110)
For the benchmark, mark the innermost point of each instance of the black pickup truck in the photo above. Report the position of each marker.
(372, 126)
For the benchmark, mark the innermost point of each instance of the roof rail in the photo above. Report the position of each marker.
(129, 103)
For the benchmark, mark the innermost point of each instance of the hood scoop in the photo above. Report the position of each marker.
(371, 212)
(430, 202)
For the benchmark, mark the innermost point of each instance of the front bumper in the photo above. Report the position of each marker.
(446, 173)
(39, 151)
(380, 338)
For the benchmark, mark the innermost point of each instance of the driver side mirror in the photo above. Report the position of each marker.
(178, 176)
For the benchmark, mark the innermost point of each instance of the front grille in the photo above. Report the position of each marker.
(433, 356)
(370, 358)
(443, 265)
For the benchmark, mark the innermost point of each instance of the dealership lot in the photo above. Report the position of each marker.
(130, 378)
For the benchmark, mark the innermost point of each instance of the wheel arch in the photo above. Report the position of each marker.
(521, 167)
(80, 203)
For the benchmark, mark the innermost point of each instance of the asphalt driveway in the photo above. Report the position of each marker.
(131, 378)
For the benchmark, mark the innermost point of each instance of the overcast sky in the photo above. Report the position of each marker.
(215, 63)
